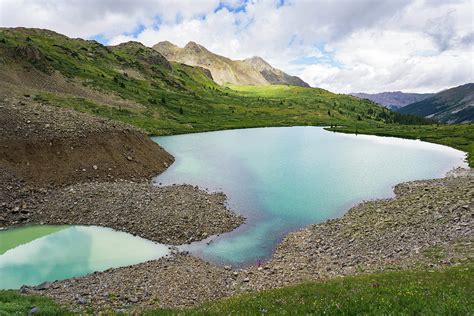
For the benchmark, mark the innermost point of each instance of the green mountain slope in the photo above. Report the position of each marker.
(455, 105)
(136, 84)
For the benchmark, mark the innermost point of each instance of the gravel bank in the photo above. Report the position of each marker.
(59, 166)
(177, 281)
(171, 215)
(429, 224)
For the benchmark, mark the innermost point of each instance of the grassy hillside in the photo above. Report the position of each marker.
(449, 291)
(135, 84)
(395, 293)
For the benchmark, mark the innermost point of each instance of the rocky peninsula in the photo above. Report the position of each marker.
(59, 166)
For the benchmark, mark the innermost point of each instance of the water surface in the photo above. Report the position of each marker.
(69, 252)
(14, 237)
(282, 179)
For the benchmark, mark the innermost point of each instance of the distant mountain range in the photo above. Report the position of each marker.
(455, 105)
(393, 100)
(251, 71)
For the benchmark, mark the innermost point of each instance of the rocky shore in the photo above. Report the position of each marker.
(177, 281)
(428, 224)
(59, 166)
(171, 215)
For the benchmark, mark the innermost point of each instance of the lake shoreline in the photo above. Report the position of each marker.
(413, 230)
(59, 166)
(182, 280)
(172, 215)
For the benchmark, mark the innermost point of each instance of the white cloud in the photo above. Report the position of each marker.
(341, 45)
(86, 18)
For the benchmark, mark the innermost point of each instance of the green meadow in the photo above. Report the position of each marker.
(449, 291)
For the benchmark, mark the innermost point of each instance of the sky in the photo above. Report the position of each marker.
(340, 45)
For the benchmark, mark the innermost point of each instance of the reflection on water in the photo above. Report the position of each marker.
(74, 251)
(12, 238)
(282, 179)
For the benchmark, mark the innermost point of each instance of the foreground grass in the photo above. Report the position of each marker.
(445, 292)
(12, 303)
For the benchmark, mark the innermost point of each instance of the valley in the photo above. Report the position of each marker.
(76, 119)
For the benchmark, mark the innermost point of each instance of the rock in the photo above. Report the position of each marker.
(24, 289)
(43, 286)
(81, 300)
(33, 311)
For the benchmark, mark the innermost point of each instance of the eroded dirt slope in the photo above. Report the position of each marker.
(43, 145)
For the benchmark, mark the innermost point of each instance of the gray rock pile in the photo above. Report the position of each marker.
(171, 215)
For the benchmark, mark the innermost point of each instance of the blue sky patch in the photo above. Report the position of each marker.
(280, 3)
(240, 8)
(326, 58)
(100, 38)
(140, 28)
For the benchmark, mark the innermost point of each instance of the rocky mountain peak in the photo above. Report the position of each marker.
(131, 44)
(167, 43)
(250, 71)
(258, 63)
(195, 47)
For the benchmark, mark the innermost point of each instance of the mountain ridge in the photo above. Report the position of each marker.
(453, 105)
(250, 71)
(393, 99)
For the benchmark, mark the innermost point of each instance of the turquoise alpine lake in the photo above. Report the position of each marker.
(280, 179)
(66, 252)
